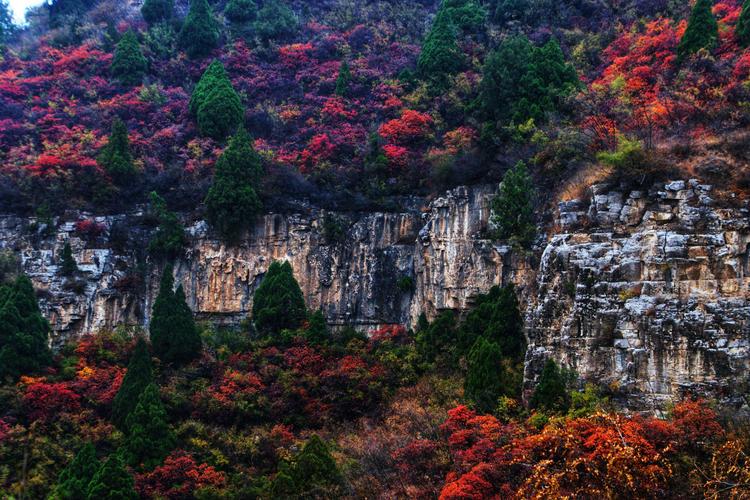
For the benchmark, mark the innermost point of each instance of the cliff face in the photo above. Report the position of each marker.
(644, 291)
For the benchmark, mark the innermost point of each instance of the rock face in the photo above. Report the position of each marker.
(645, 292)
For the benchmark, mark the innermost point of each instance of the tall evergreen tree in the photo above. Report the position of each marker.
(278, 303)
(551, 390)
(497, 317)
(437, 338)
(241, 11)
(317, 329)
(7, 26)
(274, 21)
(174, 336)
(115, 157)
(200, 32)
(213, 74)
(169, 239)
(702, 31)
(128, 63)
(112, 482)
(221, 113)
(742, 29)
(344, 78)
(157, 11)
(74, 480)
(68, 266)
(232, 202)
(23, 331)
(149, 438)
(513, 207)
(440, 57)
(137, 378)
(313, 474)
(484, 379)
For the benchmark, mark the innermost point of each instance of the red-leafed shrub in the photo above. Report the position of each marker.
(179, 478)
(89, 228)
(45, 402)
(411, 127)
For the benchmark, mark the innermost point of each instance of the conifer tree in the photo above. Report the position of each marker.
(137, 378)
(157, 11)
(214, 73)
(169, 240)
(742, 29)
(174, 336)
(241, 11)
(436, 338)
(484, 379)
(74, 480)
(274, 21)
(23, 331)
(68, 266)
(221, 113)
(7, 26)
(232, 202)
(128, 63)
(115, 157)
(702, 31)
(551, 390)
(313, 474)
(149, 438)
(343, 80)
(497, 317)
(440, 57)
(200, 32)
(278, 303)
(112, 482)
(513, 207)
(317, 329)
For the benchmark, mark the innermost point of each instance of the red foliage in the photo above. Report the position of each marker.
(179, 478)
(89, 228)
(45, 402)
(411, 127)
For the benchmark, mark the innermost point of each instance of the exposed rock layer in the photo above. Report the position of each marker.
(646, 292)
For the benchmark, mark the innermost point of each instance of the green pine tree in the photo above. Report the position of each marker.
(513, 207)
(466, 15)
(343, 80)
(149, 438)
(317, 329)
(232, 202)
(314, 472)
(137, 378)
(221, 113)
(274, 21)
(495, 316)
(74, 480)
(174, 336)
(23, 331)
(200, 32)
(116, 158)
(484, 379)
(241, 11)
(128, 63)
(169, 239)
(440, 57)
(112, 482)
(436, 339)
(68, 266)
(742, 29)
(214, 73)
(551, 392)
(278, 303)
(157, 11)
(702, 31)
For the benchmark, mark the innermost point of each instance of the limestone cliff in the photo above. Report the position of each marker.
(646, 292)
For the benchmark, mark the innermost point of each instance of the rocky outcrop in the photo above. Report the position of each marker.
(646, 292)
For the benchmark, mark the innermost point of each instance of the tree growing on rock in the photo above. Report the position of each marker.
(174, 336)
(68, 266)
(278, 303)
(513, 207)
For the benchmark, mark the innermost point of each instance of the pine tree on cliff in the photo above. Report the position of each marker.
(68, 266)
(112, 482)
(278, 303)
(440, 56)
(115, 157)
(551, 391)
(702, 31)
(23, 331)
(128, 63)
(232, 202)
(742, 29)
(174, 336)
(484, 379)
(156, 11)
(137, 378)
(149, 438)
(513, 207)
(74, 480)
(200, 32)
